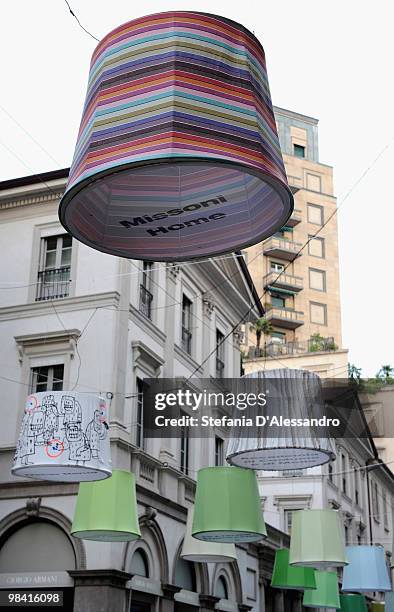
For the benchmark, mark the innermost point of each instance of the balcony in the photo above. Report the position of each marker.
(285, 317)
(146, 301)
(53, 284)
(283, 281)
(282, 248)
(289, 349)
(295, 218)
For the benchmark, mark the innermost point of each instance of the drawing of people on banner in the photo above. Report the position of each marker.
(77, 443)
(51, 421)
(95, 432)
(71, 410)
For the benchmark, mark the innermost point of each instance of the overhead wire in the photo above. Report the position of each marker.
(79, 23)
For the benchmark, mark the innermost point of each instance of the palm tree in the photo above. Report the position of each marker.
(386, 373)
(261, 327)
(354, 372)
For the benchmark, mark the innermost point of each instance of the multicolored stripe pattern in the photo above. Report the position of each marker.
(177, 154)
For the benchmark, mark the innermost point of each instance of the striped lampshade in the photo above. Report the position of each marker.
(177, 154)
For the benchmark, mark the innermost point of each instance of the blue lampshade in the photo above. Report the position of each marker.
(389, 601)
(367, 570)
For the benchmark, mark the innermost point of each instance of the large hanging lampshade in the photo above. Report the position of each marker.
(326, 594)
(107, 511)
(289, 577)
(367, 570)
(317, 539)
(177, 154)
(64, 437)
(205, 552)
(227, 506)
(294, 394)
(353, 602)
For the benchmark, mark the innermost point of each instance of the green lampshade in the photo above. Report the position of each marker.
(326, 594)
(286, 576)
(352, 602)
(317, 539)
(227, 506)
(107, 509)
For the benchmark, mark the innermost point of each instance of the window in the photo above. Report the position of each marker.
(146, 296)
(317, 279)
(185, 575)
(375, 502)
(139, 564)
(346, 530)
(221, 589)
(316, 247)
(313, 182)
(357, 485)
(220, 363)
(139, 438)
(344, 473)
(53, 280)
(219, 451)
(187, 324)
(278, 302)
(279, 337)
(385, 511)
(288, 514)
(318, 313)
(276, 267)
(47, 378)
(315, 214)
(184, 448)
(330, 473)
(251, 584)
(299, 151)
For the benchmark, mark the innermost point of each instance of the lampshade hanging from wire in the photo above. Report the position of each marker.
(378, 606)
(199, 551)
(106, 511)
(317, 539)
(227, 506)
(367, 570)
(177, 154)
(293, 394)
(285, 576)
(353, 602)
(326, 594)
(64, 437)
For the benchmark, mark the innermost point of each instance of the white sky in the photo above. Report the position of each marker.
(329, 59)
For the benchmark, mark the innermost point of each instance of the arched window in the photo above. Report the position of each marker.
(37, 546)
(221, 589)
(139, 564)
(185, 575)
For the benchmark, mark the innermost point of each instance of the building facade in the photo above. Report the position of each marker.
(74, 318)
(303, 303)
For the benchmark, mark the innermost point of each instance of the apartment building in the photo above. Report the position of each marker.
(303, 303)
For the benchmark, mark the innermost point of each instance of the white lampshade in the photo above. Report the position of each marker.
(205, 552)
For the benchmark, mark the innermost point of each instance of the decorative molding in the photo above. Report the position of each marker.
(100, 577)
(52, 341)
(209, 307)
(334, 504)
(144, 356)
(70, 304)
(173, 270)
(239, 336)
(33, 506)
(288, 502)
(39, 198)
(147, 325)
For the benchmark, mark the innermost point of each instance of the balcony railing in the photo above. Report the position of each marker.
(284, 280)
(146, 301)
(285, 317)
(276, 349)
(53, 284)
(280, 247)
(295, 218)
(187, 340)
(219, 368)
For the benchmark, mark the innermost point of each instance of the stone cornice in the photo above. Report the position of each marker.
(83, 302)
(38, 198)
